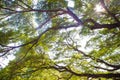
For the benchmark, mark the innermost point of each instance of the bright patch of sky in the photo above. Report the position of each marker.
(99, 8)
(35, 3)
(34, 21)
(18, 9)
(5, 61)
(70, 3)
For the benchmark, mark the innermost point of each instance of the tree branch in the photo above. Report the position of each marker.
(100, 26)
(74, 16)
(25, 4)
(108, 26)
(116, 67)
(41, 25)
(98, 67)
(31, 10)
(105, 7)
(109, 75)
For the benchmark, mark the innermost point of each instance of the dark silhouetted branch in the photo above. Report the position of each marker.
(109, 75)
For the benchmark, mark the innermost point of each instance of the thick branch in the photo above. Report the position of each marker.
(108, 26)
(109, 75)
(79, 22)
(100, 26)
(74, 16)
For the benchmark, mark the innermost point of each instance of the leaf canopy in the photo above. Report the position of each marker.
(53, 41)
